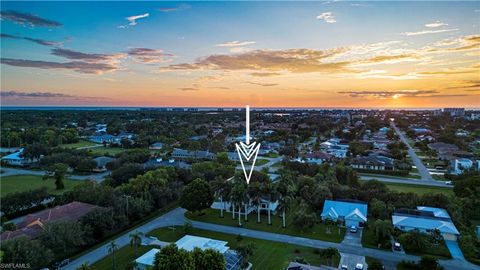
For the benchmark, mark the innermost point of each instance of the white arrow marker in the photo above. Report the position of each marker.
(247, 150)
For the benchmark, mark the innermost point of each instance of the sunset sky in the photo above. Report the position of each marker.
(265, 54)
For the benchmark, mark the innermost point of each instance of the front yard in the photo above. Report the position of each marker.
(267, 254)
(317, 232)
(19, 183)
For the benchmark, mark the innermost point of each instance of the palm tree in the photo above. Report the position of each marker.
(84, 266)
(135, 240)
(328, 254)
(286, 190)
(112, 248)
(272, 195)
(238, 197)
(255, 193)
(220, 187)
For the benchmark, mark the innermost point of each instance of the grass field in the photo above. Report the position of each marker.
(17, 183)
(420, 190)
(317, 232)
(267, 254)
(107, 151)
(81, 143)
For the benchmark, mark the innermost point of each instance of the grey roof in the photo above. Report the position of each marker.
(102, 161)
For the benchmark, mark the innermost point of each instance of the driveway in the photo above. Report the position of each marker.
(353, 239)
(351, 261)
(423, 171)
(455, 250)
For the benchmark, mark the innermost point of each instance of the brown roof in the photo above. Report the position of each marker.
(32, 224)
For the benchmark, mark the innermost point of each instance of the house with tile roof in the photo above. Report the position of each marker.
(32, 225)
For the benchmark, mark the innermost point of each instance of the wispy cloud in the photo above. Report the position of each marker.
(78, 66)
(27, 19)
(327, 17)
(262, 84)
(235, 43)
(32, 94)
(88, 57)
(172, 9)
(13, 97)
(133, 20)
(435, 24)
(147, 55)
(425, 32)
(35, 40)
(399, 94)
(265, 74)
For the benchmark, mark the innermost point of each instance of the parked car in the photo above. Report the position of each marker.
(448, 183)
(359, 266)
(353, 229)
(397, 246)
(344, 267)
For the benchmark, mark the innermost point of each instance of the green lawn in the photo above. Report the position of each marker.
(439, 251)
(418, 189)
(20, 183)
(317, 232)
(267, 254)
(107, 151)
(81, 143)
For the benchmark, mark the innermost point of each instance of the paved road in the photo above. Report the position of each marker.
(176, 217)
(398, 180)
(269, 164)
(416, 160)
(98, 177)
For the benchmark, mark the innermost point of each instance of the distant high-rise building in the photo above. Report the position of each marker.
(455, 112)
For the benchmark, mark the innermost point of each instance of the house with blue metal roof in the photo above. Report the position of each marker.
(426, 219)
(345, 212)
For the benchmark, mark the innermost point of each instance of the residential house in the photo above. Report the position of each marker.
(156, 146)
(316, 158)
(32, 225)
(426, 219)
(159, 162)
(189, 243)
(459, 165)
(17, 159)
(335, 147)
(102, 163)
(349, 213)
(373, 162)
(187, 154)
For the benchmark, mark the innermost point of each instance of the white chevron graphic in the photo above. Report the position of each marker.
(246, 151)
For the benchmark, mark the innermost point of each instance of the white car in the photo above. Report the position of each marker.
(344, 267)
(448, 183)
(353, 229)
(359, 266)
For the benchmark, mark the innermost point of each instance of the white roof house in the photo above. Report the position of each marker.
(146, 260)
(189, 242)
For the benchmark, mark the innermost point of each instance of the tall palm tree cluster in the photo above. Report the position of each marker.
(241, 198)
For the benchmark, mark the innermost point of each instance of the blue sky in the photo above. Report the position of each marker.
(184, 32)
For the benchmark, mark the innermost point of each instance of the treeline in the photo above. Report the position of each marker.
(143, 195)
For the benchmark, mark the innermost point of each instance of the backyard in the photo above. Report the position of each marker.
(267, 254)
(19, 183)
(317, 232)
